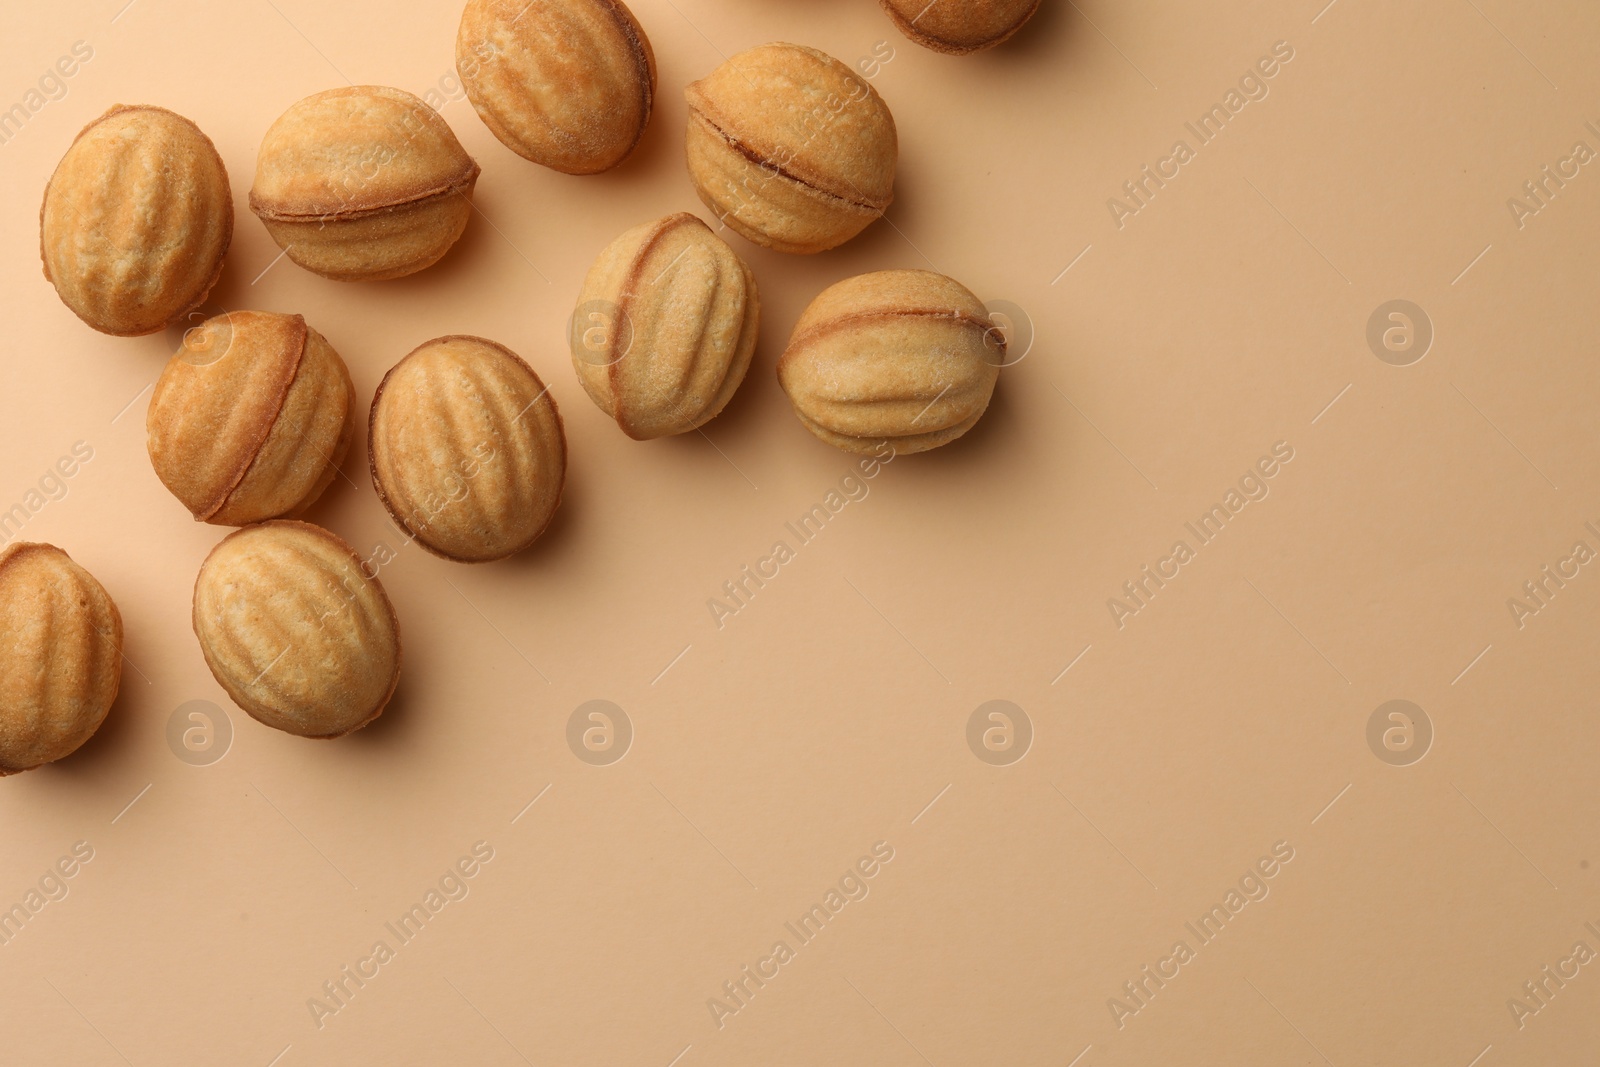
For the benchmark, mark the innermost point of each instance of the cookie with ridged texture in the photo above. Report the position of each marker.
(250, 418)
(665, 327)
(363, 183)
(296, 629)
(60, 655)
(907, 358)
(467, 449)
(566, 83)
(136, 220)
(790, 148)
(959, 27)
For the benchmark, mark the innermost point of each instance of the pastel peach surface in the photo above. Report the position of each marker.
(136, 220)
(903, 357)
(665, 327)
(565, 83)
(295, 629)
(959, 28)
(467, 449)
(251, 418)
(363, 183)
(60, 655)
(790, 148)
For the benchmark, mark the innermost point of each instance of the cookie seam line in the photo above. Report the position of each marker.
(752, 156)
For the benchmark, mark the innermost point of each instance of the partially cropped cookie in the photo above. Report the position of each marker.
(363, 183)
(467, 449)
(60, 655)
(665, 327)
(566, 83)
(791, 148)
(136, 220)
(296, 629)
(250, 418)
(903, 357)
(959, 27)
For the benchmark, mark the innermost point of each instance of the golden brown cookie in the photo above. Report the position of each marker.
(363, 183)
(136, 220)
(790, 148)
(665, 327)
(903, 357)
(60, 655)
(297, 629)
(251, 418)
(565, 83)
(959, 26)
(467, 449)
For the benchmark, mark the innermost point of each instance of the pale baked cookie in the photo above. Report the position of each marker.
(467, 449)
(790, 148)
(959, 26)
(251, 418)
(665, 327)
(903, 357)
(60, 655)
(136, 220)
(565, 83)
(363, 183)
(296, 628)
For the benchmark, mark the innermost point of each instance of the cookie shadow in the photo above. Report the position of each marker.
(1041, 39)
(392, 727)
(554, 543)
(94, 759)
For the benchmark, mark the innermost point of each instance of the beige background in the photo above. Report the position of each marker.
(769, 755)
